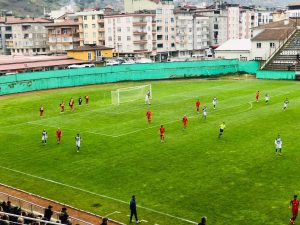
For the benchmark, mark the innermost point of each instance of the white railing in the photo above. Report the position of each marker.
(28, 218)
(276, 50)
(36, 209)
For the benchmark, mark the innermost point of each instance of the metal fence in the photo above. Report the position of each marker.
(36, 209)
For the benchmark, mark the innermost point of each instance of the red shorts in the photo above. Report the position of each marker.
(184, 123)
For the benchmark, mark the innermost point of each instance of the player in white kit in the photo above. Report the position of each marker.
(267, 97)
(204, 112)
(214, 102)
(285, 104)
(44, 137)
(278, 144)
(77, 140)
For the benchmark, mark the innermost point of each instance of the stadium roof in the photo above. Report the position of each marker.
(235, 45)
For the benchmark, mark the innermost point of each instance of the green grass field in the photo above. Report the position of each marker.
(238, 180)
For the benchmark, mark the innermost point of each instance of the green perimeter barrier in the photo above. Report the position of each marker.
(279, 75)
(75, 77)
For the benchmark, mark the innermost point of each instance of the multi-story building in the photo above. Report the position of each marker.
(131, 34)
(201, 33)
(5, 34)
(192, 32)
(165, 23)
(293, 10)
(63, 36)
(265, 16)
(29, 36)
(233, 20)
(248, 20)
(91, 27)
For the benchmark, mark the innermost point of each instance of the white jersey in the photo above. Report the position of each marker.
(267, 97)
(285, 103)
(214, 101)
(204, 112)
(77, 139)
(278, 142)
(44, 136)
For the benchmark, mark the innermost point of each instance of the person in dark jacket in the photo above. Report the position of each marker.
(104, 221)
(133, 210)
(203, 221)
(63, 217)
(48, 213)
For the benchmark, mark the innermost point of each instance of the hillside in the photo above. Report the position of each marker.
(36, 7)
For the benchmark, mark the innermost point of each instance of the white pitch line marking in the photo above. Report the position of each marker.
(96, 194)
(115, 212)
(146, 221)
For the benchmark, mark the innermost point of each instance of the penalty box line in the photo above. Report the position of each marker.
(96, 194)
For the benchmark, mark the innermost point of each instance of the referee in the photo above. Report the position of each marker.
(133, 212)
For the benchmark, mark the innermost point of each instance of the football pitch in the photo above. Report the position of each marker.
(236, 180)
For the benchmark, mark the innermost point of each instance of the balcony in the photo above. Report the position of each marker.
(140, 42)
(140, 50)
(138, 24)
(101, 29)
(101, 21)
(139, 32)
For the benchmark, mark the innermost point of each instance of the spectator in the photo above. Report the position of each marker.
(203, 220)
(20, 220)
(48, 213)
(104, 221)
(133, 210)
(64, 216)
(5, 220)
(8, 207)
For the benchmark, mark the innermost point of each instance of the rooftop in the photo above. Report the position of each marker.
(64, 23)
(273, 34)
(18, 20)
(89, 48)
(235, 45)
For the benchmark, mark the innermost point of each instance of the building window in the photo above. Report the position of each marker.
(109, 30)
(89, 56)
(216, 26)
(272, 45)
(159, 11)
(93, 17)
(119, 38)
(93, 25)
(128, 38)
(110, 38)
(128, 29)
(258, 45)
(85, 17)
(86, 26)
(243, 58)
(258, 58)
(94, 34)
(160, 45)
(119, 29)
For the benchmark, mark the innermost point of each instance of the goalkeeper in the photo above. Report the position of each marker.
(147, 98)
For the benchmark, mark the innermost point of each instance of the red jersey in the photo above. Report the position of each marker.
(257, 94)
(198, 104)
(162, 130)
(295, 204)
(184, 119)
(149, 115)
(58, 133)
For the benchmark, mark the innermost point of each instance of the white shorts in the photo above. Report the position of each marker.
(285, 105)
(44, 138)
(278, 146)
(204, 114)
(77, 144)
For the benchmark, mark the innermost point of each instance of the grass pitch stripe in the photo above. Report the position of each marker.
(96, 194)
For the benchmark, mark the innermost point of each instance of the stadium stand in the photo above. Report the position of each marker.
(20, 207)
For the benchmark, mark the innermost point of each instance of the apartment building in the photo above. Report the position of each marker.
(165, 24)
(29, 36)
(63, 36)
(131, 34)
(91, 27)
(248, 20)
(5, 34)
(233, 12)
(192, 32)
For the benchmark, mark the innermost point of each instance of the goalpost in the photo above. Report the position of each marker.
(130, 94)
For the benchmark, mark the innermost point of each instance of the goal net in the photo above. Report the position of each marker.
(130, 94)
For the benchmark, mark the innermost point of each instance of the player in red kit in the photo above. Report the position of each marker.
(149, 116)
(162, 133)
(71, 104)
(198, 103)
(58, 135)
(295, 204)
(62, 107)
(86, 99)
(257, 96)
(184, 121)
(41, 110)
